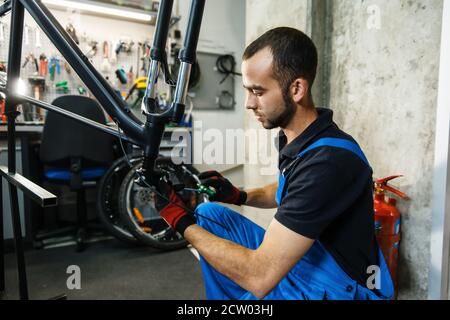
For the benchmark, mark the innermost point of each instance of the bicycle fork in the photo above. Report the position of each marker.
(157, 118)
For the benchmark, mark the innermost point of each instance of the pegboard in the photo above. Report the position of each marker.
(36, 42)
(214, 91)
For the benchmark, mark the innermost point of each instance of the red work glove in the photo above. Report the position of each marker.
(171, 208)
(226, 192)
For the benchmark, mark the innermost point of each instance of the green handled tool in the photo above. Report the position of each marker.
(207, 190)
(203, 189)
(63, 85)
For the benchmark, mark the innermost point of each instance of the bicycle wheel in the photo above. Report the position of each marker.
(137, 205)
(107, 199)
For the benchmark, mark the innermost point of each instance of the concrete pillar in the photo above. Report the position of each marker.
(383, 89)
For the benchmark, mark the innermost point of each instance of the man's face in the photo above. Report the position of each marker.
(271, 106)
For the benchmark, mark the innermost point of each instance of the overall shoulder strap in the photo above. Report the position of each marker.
(337, 143)
(324, 142)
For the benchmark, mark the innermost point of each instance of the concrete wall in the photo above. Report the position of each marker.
(383, 89)
(379, 73)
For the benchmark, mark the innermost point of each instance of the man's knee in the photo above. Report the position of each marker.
(210, 210)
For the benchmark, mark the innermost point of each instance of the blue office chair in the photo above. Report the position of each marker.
(75, 155)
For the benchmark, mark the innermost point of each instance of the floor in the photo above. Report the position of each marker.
(109, 270)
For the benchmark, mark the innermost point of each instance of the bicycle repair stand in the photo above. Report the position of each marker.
(15, 180)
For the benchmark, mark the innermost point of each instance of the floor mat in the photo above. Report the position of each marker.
(109, 270)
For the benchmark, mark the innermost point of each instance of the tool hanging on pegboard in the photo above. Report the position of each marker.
(43, 65)
(37, 33)
(106, 66)
(72, 33)
(38, 85)
(91, 49)
(113, 55)
(54, 67)
(31, 58)
(26, 35)
(124, 46)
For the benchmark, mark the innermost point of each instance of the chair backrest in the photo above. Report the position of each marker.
(64, 138)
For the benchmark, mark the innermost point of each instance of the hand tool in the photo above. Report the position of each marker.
(38, 85)
(106, 66)
(210, 191)
(43, 65)
(38, 43)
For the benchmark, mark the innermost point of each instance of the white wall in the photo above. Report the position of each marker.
(223, 31)
(105, 28)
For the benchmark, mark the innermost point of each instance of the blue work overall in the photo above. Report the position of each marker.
(317, 276)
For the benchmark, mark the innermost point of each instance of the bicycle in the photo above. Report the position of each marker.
(146, 135)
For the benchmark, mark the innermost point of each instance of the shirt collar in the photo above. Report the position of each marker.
(324, 120)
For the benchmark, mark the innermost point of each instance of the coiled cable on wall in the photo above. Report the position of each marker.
(226, 64)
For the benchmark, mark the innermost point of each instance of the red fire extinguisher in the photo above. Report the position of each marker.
(387, 224)
(2, 109)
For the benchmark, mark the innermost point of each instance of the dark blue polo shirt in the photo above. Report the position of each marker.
(329, 197)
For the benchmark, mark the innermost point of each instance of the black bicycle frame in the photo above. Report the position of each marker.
(146, 135)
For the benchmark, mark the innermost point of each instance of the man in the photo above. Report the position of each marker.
(321, 241)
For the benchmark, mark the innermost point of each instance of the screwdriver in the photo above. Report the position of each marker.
(203, 189)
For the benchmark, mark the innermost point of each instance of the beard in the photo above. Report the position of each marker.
(282, 120)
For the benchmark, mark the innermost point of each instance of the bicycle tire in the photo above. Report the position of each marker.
(107, 199)
(158, 234)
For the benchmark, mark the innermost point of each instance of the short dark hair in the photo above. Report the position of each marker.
(294, 55)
